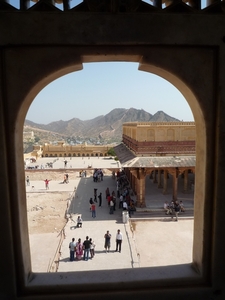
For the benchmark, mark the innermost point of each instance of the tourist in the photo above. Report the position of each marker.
(100, 199)
(125, 207)
(28, 180)
(72, 246)
(107, 193)
(101, 173)
(47, 183)
(111, 207)
(176, 209)
(109, 198)
(121, 201)
(182, 206)
(95, 195)
(79, 250)
(93, 210)
(114, 202)
(91, 202)
(171, 208)
(166, 207)
(119, 239)
(107, 237)
(79, 222)
(92, 248)
(86, 247)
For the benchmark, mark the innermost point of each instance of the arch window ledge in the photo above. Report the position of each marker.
(116, 280)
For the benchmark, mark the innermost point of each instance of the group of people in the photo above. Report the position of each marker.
(86, 250)
(98, 175)
(174, 207)
(93, 202)
(79, 250)
(119, 239)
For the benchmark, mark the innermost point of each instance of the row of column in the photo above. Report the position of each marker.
(137, 181)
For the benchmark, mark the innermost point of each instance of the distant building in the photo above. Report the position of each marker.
(64, 150)
(160, 138)
(155, 149)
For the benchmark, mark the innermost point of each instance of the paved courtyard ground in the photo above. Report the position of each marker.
(146, 242)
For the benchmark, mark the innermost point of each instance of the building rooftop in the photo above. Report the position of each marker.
(128, 159)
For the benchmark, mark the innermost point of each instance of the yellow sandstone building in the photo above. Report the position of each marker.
(65, 150)
(156, 149)
(160, 138)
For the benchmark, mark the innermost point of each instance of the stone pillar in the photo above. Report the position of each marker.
(141, 188)
(185, 181)
(139, 175)
(165, 178)
(159, 179)
(175, 184)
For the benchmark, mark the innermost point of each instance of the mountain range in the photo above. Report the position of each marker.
(104, 127)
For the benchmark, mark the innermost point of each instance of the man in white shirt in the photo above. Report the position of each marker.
(119, 238)
(125, 207)
(121, 201)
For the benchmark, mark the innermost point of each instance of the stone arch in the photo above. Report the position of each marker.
(170, 135)
(150, 135)
(170, 64)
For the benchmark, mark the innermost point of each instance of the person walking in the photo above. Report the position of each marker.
(47, 183)
(100, 199)
(107, 245)
(93, 210)
(28, 180)
(176, 209)
(107, 193)
(111, 207)
(121, 201)
(125, 206)
(95, 195)
(119, 239)
(91, 202)
(86, 247)
(72, 247)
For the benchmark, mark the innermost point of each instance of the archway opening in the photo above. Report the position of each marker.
(122, 96)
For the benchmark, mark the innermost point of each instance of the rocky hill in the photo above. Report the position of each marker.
(105, 127)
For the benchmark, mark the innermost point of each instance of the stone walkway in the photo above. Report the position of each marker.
(156, 241)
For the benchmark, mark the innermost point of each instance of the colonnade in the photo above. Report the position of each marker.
(136, 177)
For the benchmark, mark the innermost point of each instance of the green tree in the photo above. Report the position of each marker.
(36, 139)
(111, 152)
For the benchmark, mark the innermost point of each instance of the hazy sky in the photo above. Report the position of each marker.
(101, 87)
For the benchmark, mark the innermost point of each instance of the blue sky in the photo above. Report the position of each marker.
(101, 87)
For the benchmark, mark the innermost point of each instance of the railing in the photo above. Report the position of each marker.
(113, 6)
